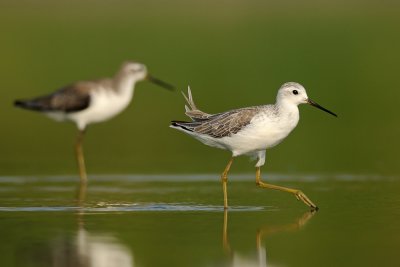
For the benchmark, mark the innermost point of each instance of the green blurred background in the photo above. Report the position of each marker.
(232, 54)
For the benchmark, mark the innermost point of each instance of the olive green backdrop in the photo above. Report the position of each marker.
(231, 53)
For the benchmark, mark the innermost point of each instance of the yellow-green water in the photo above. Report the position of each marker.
(179, 221)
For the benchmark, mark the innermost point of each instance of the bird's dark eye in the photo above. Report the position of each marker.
(295, 92)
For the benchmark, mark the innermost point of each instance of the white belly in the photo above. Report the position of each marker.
(104, 105)
(262, 133)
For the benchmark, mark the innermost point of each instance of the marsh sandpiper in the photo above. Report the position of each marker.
(250, 131)
(88, 102)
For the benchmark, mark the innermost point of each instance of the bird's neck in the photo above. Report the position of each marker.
(125, 84)
(287, 108)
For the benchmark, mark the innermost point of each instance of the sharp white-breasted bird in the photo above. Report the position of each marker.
(88, 102)
(249, 131)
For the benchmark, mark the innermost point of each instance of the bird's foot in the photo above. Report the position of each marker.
(301, 196)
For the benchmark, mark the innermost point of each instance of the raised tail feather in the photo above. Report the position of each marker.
(191, 110)
(189, 100)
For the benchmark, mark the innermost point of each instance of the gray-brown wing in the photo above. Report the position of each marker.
(71, 98)
(226, 124)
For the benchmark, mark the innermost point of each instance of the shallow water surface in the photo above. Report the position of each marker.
(172, 220)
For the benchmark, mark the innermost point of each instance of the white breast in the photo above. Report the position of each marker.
(104, 105)
(264, 131)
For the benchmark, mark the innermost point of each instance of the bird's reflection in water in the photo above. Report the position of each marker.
(90, 250)
(235, 259)
(94, 250)
(81, 248)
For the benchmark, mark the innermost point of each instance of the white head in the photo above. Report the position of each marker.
(134, 70)
(294, 94)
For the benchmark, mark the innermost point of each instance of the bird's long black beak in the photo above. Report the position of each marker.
(312, 103)
(159, 82)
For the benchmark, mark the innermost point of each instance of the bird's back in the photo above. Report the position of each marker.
(71, 98)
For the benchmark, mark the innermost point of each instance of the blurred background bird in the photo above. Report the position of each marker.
(87, 102)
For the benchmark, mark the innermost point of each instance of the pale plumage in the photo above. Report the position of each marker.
(249, 131)
(88, 102)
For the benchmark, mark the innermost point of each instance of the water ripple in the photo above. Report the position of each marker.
(195, 178)
(134, 207)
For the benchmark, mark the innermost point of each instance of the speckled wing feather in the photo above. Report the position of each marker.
(222, 124)
(228, 123)
(215, 125)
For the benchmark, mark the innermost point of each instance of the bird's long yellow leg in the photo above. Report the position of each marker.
(224, 180)
(81, 193)
(79, 156)
(298, 194)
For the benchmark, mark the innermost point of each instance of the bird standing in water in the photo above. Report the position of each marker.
(88, 102)
(250, 131)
